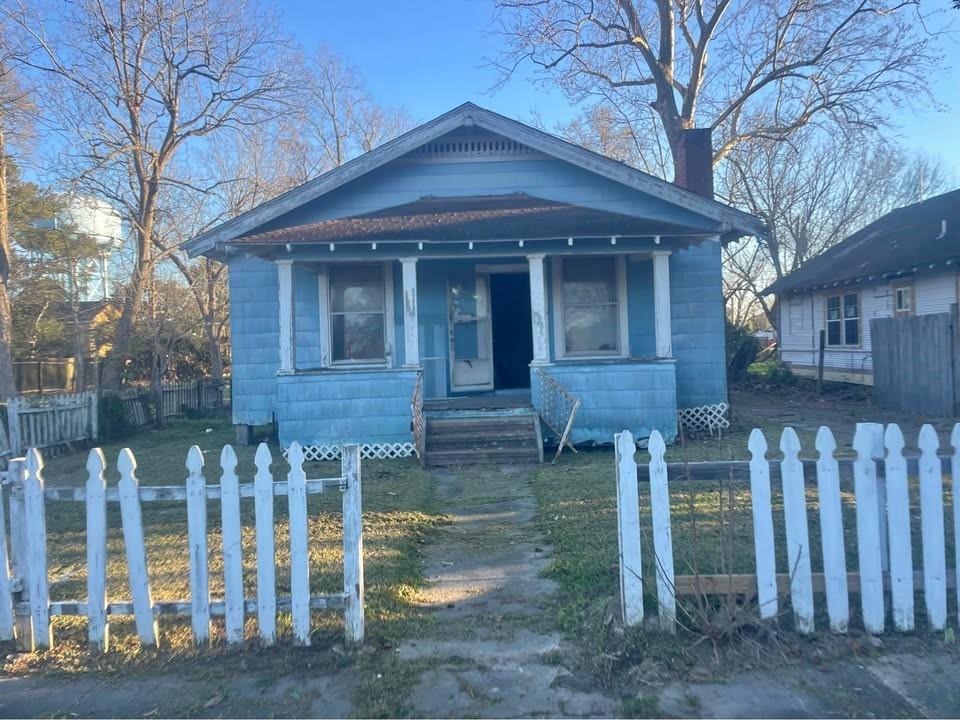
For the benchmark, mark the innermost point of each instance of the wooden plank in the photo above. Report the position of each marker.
(898, 522)
(14, 435)
(353, 583)
(175, 493)
(197, 543)
(132, 519)
(266, 553)
(762, 525)
(932, 530)
(628, 529)
(831, 533)
(23, 627)
(182, 608)
(955, 487)
(36, 527)
(868, 532)
(98, 631)
(741, 584)
(798, 538)
(662, 533)
(6, 584)
(232, 544)
(299, 547)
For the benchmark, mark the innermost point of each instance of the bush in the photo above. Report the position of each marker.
(772, 372)
(742, 348)
(113, 423)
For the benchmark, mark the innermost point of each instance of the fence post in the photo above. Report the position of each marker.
(6, 591)
(662, 533)
(197, 539)
(868, 531)
(299, 547)
(232, 545)
(898, 528)
(23, 628)
(36, 527)
(931, 529)
(352, 544)
(13, 426)
(98, 631)
(94, 415)
(955, 474)
(762, 525)
(798, 536)
(831, 532)
(266, 550)
(628, 529)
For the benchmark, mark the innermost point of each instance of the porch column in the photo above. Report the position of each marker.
(661, 303)
(538, 310)
(411, 330)
(286, 305)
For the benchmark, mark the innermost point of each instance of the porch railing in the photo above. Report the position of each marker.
(416, 412)
(557, 408)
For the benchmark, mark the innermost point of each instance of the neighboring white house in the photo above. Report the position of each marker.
(905, 263)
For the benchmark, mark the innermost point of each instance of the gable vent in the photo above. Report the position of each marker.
(493, 147)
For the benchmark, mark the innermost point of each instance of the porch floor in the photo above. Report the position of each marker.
(513, 401)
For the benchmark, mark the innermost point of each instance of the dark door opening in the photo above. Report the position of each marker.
(512, 332)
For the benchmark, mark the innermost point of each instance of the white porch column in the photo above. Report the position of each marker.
(286, 305)
(538, 310)
(411, 330)
(661, 303)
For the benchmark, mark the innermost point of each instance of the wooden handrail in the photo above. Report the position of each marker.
(557, 408)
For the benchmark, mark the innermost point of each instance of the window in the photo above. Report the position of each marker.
(903, 299)
(590, 306)
(843, 320)
(358, 311)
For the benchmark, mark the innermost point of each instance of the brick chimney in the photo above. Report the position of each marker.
(694, 166)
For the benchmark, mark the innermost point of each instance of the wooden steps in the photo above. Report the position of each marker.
(471, 439)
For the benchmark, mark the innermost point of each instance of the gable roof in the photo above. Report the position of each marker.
(735, 223)
(906, 240)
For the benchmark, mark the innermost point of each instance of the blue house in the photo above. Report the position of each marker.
(464, 289)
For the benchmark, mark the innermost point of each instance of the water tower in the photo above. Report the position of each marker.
(97, 219)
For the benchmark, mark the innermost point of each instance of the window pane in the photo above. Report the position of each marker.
(358, 337)
(851, 332)
(589, 281)
(850, 306)
(833, 334)
(591, 329)
(356, 289)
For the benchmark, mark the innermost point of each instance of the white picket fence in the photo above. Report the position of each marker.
(25, 606)
(49, 421)
(883, 532)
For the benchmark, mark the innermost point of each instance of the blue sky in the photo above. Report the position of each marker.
(428, 56)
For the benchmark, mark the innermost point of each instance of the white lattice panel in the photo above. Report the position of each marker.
(379, 451)
(705, 418)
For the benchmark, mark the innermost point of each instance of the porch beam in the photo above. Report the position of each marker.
(411, 329)
(538, 310)
(661, 304)
(286, 305)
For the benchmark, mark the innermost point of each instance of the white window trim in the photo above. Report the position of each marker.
(326, 324)
(623, 327)
(843, 324)
(905, 287)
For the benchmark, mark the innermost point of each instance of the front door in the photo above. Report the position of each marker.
(471, 342)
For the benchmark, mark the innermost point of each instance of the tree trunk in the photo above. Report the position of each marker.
(8, 383)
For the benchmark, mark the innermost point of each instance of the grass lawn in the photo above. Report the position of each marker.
(398, 511)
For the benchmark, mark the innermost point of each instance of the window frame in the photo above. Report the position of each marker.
(620, 292)
(905, 287)
(325, 288)
(843, 320)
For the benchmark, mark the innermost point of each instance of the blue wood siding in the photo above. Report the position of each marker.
(640, 315)
(639, 396)
(336, 407)
(254, 339)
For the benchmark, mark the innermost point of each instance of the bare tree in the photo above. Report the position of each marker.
(132, 84)
(748, 69)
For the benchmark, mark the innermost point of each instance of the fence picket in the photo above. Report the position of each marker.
(628, 529)
(831, 532)
(898, 530)
(352, 543)
(36, 527)
(868, 531)
(19, 552)
(762, 525)
(955, 475)
(798, 537)
(299, 549)
(876, 433)
(266, 552)
(6, 589)
(98, 631)
(232, 545)
(932, 530)
(197, 543)
(662, 533)
(132, 520)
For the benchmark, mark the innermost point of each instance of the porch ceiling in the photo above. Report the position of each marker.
(516, 216)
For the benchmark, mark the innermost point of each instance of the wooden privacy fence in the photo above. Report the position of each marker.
(883, 532)
(25, 606)
(916, 363)
(49, 421)
(203, 394)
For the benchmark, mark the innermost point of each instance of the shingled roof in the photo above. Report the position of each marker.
(916, 238)
(484, 217)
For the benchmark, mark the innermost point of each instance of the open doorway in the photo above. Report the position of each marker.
(512, 332)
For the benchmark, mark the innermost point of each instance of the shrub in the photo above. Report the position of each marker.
(772, 372)
(112, 420)
(742, 348)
